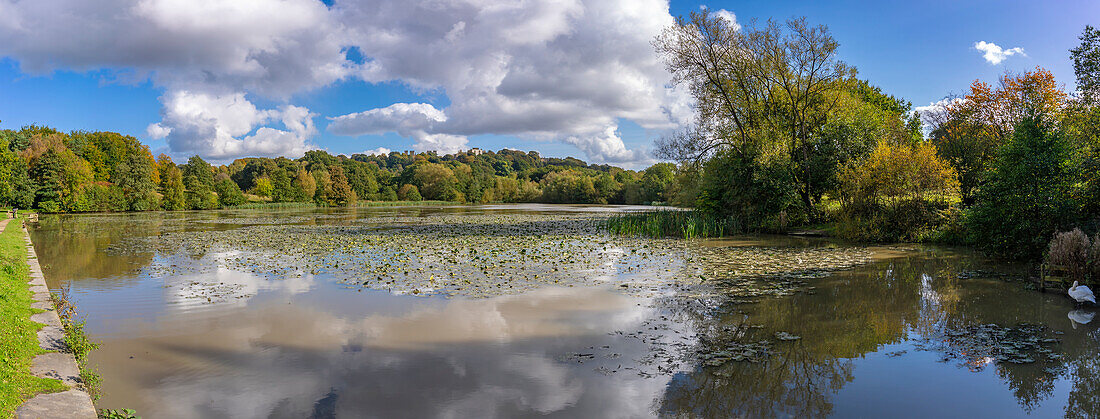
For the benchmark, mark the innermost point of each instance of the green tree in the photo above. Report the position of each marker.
(171, 187)
(16, 189)
(229, 194)
(342, 194)
(282, 189)
(409, 193)
(198, 178)
(135, 178)
(304, 182)
(656, 180)
(434, 181)
(759, 91)
(1028, 196)
(568, 187)
(1086, 64)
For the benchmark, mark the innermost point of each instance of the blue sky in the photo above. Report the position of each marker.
(401, 76)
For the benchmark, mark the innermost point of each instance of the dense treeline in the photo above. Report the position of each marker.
(103, 171)
(787, 135)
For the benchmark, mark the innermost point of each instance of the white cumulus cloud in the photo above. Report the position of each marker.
(223, 127)
(564, 70)
(567, 70)
(994, 54)
(380, 151)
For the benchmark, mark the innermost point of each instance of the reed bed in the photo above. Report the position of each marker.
(665, 223)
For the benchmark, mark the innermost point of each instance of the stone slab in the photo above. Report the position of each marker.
(48, 318)
(72, 404)
(56, 365)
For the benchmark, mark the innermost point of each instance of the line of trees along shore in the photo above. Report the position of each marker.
(53, 171)
(786, 134)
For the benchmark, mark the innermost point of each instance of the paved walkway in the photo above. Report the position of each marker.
(73, 403)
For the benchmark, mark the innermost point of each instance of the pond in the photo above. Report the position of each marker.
(531, 310)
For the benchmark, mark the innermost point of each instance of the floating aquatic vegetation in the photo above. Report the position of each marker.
(737, 352)
(484, 254)
(784, 336)
(979, 345)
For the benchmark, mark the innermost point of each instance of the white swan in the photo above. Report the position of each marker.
(1081, 293)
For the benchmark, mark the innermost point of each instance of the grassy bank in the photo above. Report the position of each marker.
(667, 223)
(18, 334)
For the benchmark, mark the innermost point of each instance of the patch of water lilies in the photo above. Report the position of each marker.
(483, 254)
(978, 345)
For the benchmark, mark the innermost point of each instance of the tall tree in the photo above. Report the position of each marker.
(759, 91)
(172, 187)
(1086, 64)
(135, 177)
(1028, 196)
(229, 194)
(198, 178)
(342, 194)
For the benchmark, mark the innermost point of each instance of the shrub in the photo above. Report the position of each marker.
(898, 192)
(1070, 251)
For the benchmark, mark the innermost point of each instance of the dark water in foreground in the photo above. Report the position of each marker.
(507, 311)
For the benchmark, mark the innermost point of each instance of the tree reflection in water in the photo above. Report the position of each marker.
(916, 296)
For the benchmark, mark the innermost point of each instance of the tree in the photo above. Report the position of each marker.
(409, 193)
(969, 131)
(282, 190)
(1086, 64)
(172, 187)
(16, 189)
(304, 182)
(135, 178)
(434, 181)
(198, 178)
(757, 90)
(229, 194)
(342, 194)
(57, 172)
(656, 180)
(1028, 196)
(568, 187)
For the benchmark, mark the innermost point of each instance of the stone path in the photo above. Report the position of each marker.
(73, 403)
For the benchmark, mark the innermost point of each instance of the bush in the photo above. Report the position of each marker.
(897, 193)
(1070, 251)
(409, 193)
(760, 194)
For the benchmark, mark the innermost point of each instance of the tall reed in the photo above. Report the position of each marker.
(682, 224)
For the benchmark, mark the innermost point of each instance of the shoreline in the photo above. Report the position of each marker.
(55, 363)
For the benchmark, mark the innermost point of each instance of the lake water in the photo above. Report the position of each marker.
(530, 310)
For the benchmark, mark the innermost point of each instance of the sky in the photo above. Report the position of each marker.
(235, 78)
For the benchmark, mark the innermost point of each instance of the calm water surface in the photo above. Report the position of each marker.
(505, 311)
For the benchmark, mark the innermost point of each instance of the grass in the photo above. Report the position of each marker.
(403, 203)
(682, 224)
(275, 205)
(78, 342)
(18, 334)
